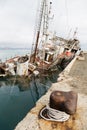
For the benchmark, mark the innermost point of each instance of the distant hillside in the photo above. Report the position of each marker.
(10, 48)
(12, 45)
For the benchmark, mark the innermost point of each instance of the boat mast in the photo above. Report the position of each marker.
(43, 24)
(38, 29)
(47, 12)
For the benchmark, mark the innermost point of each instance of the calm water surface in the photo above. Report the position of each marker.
(9, 53)
(19, 95)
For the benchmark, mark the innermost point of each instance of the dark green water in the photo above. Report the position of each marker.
(18, 96)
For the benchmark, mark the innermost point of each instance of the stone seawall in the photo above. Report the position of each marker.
(32, 121)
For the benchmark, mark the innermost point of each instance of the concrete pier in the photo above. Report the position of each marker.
(74, 77)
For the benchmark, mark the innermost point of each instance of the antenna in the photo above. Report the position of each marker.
(69, 33)
(75, 32)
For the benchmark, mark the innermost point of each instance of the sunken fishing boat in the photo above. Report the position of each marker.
(48, 50)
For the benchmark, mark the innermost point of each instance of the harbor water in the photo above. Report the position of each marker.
(9, 53)
(19, 95)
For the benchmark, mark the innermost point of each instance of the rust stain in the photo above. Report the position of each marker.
(54, 125)
(71, 124)
(68, 125)
(67, 128)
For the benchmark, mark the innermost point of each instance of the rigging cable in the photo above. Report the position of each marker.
(67, 18)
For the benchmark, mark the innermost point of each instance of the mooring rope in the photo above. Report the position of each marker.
(54, 115)
(57, 115)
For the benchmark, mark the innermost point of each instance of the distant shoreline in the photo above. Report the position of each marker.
(14, 48)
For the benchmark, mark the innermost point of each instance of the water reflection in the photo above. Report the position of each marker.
(19, 95)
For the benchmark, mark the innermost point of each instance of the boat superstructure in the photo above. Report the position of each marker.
(48, 50)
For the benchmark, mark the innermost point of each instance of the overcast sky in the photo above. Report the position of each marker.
(17, 20)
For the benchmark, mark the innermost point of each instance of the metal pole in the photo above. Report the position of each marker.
(38, 29)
